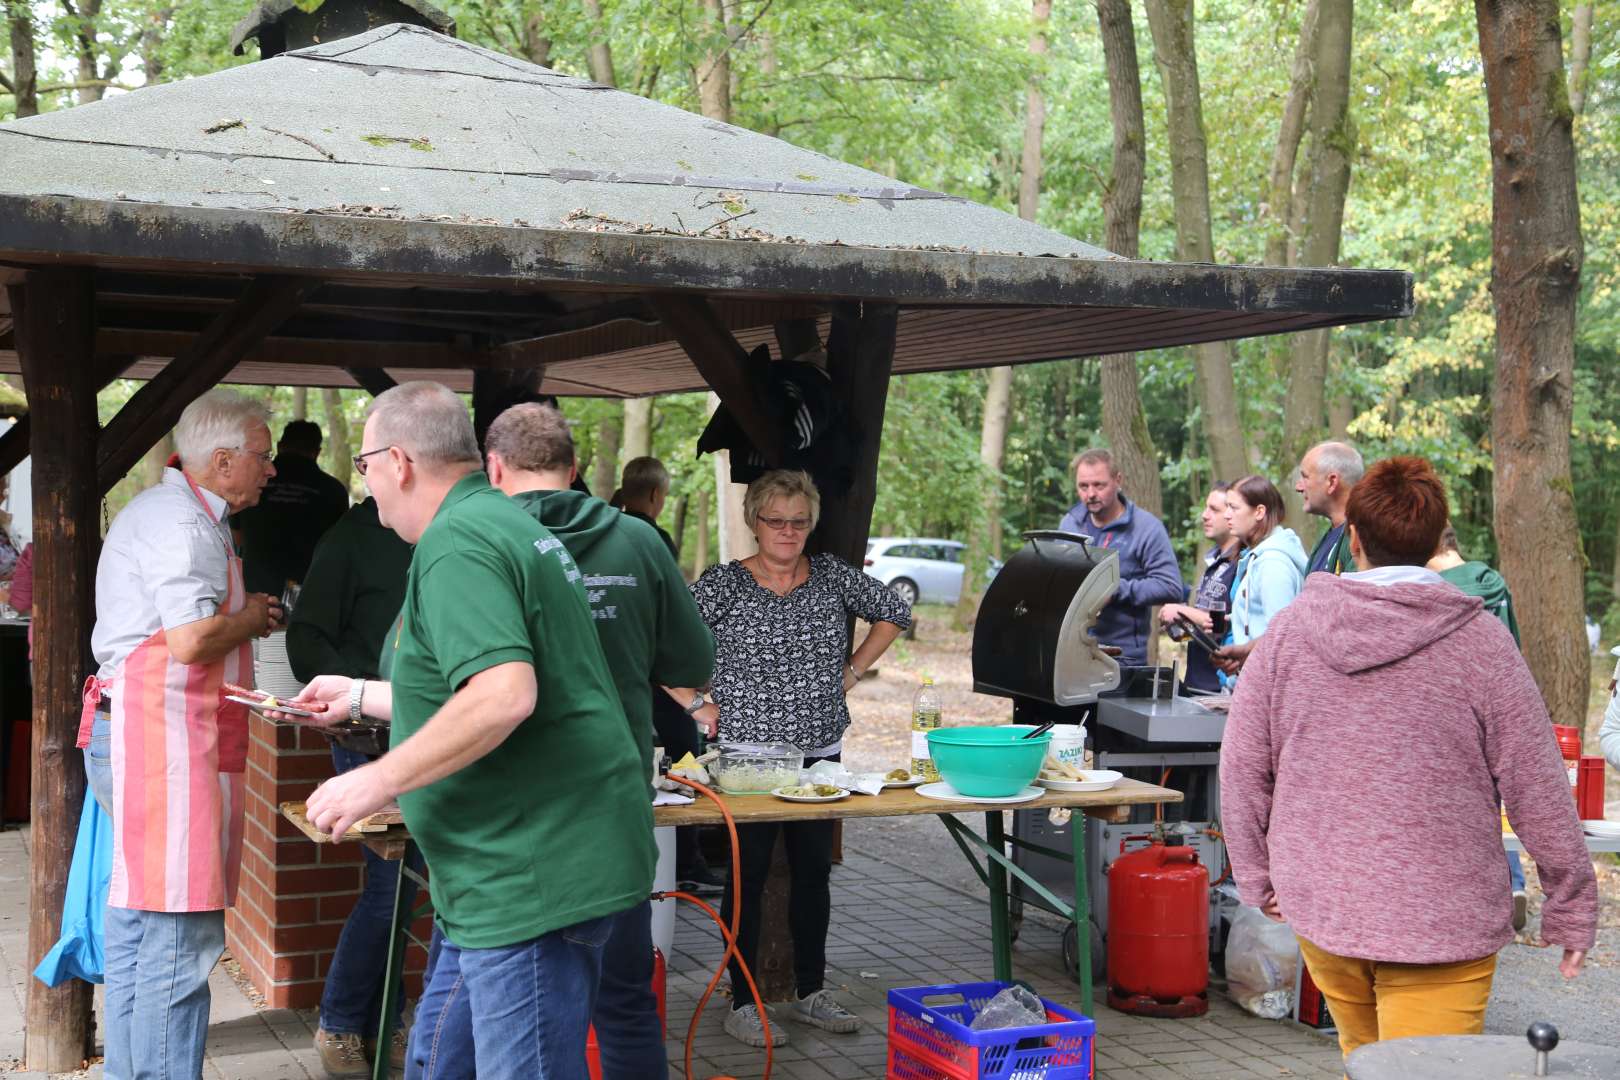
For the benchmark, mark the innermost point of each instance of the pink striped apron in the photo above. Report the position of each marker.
(179, 755)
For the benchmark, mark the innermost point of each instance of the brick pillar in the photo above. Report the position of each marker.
(295, 894)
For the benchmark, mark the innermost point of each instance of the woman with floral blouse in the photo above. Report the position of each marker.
(780, 622)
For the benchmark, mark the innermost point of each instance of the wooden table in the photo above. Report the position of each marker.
(1111, 805)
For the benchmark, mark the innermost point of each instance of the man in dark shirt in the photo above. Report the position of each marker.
(297, 507)
(642, 492)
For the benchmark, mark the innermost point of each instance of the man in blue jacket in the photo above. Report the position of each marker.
(1148, 573)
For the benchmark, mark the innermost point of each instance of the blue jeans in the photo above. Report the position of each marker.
(157, 965)
(351, 1003)
(1515, 871)
(518, 1012)
(98, 760)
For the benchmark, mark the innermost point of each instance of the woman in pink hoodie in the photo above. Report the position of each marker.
(1375, 725)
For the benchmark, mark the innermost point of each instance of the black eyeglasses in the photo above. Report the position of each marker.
(361, 464)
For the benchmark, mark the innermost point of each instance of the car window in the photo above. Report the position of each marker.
(950, 553)
(929, 551)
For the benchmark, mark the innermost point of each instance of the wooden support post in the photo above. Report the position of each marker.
(497, 389)
(375, 381)
(263, 306)
(795, 337)
(722, 363)
(56, 345)
(860, 358)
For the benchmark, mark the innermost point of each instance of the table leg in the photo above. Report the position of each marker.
(1000, 923)
(1082, 911)
(393, 971)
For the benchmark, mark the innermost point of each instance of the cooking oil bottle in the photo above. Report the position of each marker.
(925, 717)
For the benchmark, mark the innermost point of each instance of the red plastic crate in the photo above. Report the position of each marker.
(929, 1038)
(1589, 789)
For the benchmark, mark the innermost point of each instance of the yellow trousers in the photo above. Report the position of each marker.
(1373, 1000)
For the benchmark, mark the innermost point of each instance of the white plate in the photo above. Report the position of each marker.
(1609, 830)
(781, 793)
(946, 793)
(1102, 780)
(260, 707)
(913, 782)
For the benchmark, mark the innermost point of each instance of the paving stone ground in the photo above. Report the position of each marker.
(891, 927)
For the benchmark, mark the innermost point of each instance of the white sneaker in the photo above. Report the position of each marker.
(744, 1025)
(823, 1010)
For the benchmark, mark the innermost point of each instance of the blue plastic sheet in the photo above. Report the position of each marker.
(79, 953)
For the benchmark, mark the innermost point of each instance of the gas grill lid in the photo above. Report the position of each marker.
(1032, 638)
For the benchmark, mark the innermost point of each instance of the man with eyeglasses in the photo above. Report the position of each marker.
(510, 754)
(165, 753)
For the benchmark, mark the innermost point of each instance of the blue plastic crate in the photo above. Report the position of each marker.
(929, 1038)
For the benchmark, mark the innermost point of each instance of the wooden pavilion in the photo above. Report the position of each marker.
(398, 204)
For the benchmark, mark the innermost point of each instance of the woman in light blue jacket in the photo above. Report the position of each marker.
(1271, 570)
(1609, 733)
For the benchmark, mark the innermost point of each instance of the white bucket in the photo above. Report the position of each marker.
(1068, 744)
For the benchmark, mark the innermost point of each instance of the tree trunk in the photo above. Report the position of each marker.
(87, 50)
(1174, 51)
(1580, 53)
(339, 463)
(24, 76)
(637, 428)
(992, 452)
(1124, 421)
(601, 53)
(678, 533)
(157, 24)
(1332, 147)
(300, 408)
(1280, 208)
(700, 544)
(536, 42)
(605, 467)
(1536, 256)
(151, 468)
(714, 69)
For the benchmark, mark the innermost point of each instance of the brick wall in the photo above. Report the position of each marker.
(294, 894)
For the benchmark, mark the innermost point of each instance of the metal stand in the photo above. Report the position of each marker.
(394, 973)
(993, 872)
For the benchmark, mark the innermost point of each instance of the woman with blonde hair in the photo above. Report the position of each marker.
(780, 622)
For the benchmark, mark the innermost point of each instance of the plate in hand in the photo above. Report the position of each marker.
(273, 705)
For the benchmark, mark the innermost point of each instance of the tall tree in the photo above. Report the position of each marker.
(1333, 139)
(1124, 421)
(601, 51)
(24, 83)
(1280, 203)
(1580, 54)
(1536, 257)
(1176, 55)
(338, 462)
(637, 428)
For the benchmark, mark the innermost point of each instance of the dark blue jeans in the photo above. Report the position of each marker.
(518, 1012)
(351, 1003)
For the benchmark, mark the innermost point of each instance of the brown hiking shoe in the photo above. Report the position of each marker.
(398, 1042)
(341, 1055)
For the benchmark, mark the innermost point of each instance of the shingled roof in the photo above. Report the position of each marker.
(462, 201)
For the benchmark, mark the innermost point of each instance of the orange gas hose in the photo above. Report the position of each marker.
(729, 934)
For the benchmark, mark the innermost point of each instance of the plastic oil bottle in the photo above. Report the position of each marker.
(925, 717)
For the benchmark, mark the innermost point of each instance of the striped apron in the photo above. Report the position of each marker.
(179, 755)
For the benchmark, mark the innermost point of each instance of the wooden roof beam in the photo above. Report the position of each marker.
(723, 364)
(264, 305)
(374, 381)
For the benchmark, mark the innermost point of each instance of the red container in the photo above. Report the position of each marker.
(593, 1059)
(1589, 789)
(1313, 1010)
(1569, 744)
(1158, 932)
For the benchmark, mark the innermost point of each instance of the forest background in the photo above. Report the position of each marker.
(1009, 103)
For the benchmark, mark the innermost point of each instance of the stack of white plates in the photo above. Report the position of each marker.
(1607, 830)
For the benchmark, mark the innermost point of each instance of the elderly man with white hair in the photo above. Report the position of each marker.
(165, 752)
(511, 757)
(1327, 472)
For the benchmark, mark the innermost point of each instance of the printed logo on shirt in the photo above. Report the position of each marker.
(551, 544)
(596, 590)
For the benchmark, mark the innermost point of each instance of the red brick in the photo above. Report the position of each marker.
(293, 791)
(338, 854)
(296, 995)
(292, 968)
(295, 855)
(310, 739)
(298, 939)
(325, 879)
(296, 910)
(336, 908)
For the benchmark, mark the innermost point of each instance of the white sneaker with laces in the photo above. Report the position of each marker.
(744, 1025)
(823, 1010)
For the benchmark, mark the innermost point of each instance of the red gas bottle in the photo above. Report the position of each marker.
(1158, 932)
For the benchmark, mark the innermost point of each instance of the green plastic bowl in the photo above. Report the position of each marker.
(987, 762)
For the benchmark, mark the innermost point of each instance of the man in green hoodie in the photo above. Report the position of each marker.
(650, 631)
(1474, 578)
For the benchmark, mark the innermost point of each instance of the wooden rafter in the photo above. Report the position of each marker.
(373, 381)
(264, 305)
(722, 363)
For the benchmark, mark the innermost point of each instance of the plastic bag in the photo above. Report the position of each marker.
(1013, 1007)
(1261, 960)
(78, 954)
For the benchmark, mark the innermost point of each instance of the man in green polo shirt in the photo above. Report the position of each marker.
(651, 631)
(511, 758)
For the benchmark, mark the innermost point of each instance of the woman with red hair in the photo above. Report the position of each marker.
(1373, 728)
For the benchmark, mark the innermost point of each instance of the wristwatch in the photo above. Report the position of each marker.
(357, 691)
(697, 702)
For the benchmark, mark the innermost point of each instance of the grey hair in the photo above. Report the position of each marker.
(427, 421)
(218, 420)
(1342, 459)
(1097, 455)
(644, 474)
(784, 484)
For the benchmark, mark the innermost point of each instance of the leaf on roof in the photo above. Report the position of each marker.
(416, 142)
(223, 125)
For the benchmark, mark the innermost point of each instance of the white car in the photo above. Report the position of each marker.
(917, 568)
